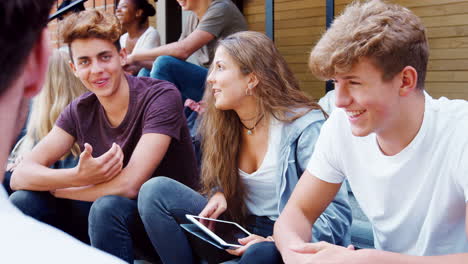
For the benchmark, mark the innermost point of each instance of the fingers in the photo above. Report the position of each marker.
(351, 247)
(208, 210)
(87, 152)
(246, 240)
(104, 158)
(219, 210)
(240, 251)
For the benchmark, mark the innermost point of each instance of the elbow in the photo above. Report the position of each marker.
(15, 181)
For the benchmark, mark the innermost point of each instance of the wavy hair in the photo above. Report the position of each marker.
(60, 88)
(388, 34)
(277, 95)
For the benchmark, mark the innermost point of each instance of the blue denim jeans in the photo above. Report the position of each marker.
(70, 216)
(116, 228)
(189, 78)
(163, 204)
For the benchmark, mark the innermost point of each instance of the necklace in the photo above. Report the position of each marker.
(250, 129)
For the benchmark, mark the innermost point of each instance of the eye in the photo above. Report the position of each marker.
(354, 83)
(219, 67)
(106, 57)
(83, 62)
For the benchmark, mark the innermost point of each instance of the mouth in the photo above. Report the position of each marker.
(355, 114)
(216, 91)
(101, 82)
(182, 3)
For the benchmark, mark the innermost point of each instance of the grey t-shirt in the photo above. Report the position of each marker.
(222, 19)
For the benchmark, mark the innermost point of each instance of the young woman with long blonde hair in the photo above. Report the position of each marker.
(258, 133)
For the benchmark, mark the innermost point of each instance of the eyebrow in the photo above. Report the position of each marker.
(99, 54)
(351, 77)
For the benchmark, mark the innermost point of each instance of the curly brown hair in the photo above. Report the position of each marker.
(91, 24)
(391, 36)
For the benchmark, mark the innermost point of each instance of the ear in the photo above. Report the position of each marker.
(139, 13)
(36, 66)
(123, 57)
(252, 81)
(409, 80)
(73, 68)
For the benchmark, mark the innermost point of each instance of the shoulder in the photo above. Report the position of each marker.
(85, 101)
(450, 116)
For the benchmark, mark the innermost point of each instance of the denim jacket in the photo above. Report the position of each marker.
(296, 148)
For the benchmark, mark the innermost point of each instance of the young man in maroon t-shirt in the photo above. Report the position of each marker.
(129, 130)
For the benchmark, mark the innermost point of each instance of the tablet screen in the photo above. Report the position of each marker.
(227, 231)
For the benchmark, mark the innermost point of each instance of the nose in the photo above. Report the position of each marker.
(211, 77)
(96, 67)
(342, 96)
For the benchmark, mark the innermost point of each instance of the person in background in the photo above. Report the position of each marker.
(133, 15)
(258, 133)
(60, 87)
(207, 22)
(23, 64)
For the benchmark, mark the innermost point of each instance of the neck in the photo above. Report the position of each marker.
(136, 29)
(405, 127)
(116, 105)
(200, 10)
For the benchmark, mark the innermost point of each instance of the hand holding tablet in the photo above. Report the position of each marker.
(226, 233)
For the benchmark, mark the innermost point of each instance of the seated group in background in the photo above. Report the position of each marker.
(207, 22)
(403, 152)
(60, 88)
(23, 64)
(258, 132)
(128, 130)
(133, 16)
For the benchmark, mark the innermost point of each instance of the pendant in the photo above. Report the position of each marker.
(249, 132)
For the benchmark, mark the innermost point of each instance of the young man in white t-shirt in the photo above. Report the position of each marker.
(404, 153)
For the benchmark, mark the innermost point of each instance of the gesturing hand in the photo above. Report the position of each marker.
(213, 209)
(101, 169)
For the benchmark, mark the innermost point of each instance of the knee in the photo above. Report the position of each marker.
(164, 63)
(107, 209)
(29, 202)
(154, 192)
(263, 252)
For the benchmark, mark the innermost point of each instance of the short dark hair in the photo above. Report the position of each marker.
(21, 24)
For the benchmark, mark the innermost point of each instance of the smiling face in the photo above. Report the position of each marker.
(126, 12)
(98, 65)
(187, 4)
(228, 83)
(372, 104)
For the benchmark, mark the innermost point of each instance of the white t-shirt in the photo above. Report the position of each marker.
(148, 40)
(25, 240)
(260, 186)
(416, 199)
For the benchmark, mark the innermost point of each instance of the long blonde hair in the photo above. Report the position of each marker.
(277, 94)
(61, 86)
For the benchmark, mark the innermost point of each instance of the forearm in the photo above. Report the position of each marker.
(174, 49)
(385, 257)
(36, 177)
(291, 228)
(121, 185)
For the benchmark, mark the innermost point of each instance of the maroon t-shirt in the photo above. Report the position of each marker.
(155, 106)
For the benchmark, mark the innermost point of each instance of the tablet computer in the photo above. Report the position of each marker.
(224, 232)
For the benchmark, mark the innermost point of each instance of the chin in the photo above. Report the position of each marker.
(360, 132)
